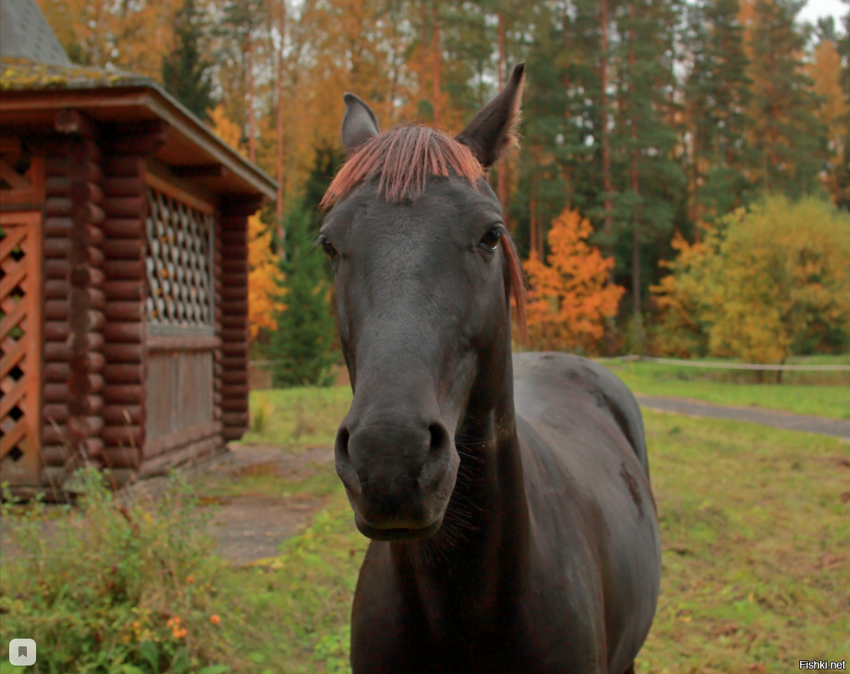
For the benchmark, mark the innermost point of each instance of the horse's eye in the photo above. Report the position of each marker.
(492, 237)
(329, 249)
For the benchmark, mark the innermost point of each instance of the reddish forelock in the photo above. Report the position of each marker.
(402, 159)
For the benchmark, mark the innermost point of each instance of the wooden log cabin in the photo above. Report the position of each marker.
(123, 234)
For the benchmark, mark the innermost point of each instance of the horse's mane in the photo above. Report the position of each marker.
(402, 159)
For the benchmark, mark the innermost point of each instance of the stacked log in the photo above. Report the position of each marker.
(74, 303)
(218, 354)
(57, 290)
(124, 247)
(233, 322)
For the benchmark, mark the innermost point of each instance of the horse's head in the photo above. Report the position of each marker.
(424, 270)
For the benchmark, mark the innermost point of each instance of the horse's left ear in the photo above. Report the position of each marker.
(359, 124)
(494, 128)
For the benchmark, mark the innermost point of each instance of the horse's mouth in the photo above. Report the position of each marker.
(399, 534)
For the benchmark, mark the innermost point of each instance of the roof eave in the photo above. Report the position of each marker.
(161, 104)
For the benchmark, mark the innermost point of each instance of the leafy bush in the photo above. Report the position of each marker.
(769, 282)
(113, 589)
(570, 293)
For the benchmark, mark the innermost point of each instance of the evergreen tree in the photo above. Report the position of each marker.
(302, 344)
(789, 140)
(327, 161)
(842, 170)
(186, 74)
(718, 96)
(648, 177)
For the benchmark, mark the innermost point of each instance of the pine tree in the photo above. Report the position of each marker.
(825, 71)
(842, 170)
(648, 176)
(718, 97)
(186, 74)
(790, 142)
(306, 328)
(302, 344)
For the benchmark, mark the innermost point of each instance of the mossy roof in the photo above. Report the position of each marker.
(20, 74)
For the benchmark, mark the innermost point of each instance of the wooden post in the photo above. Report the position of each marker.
(125, 209)
(232, 370)
(83, 308)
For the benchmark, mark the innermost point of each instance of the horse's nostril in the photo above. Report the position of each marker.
(341, 444)
(439, 438)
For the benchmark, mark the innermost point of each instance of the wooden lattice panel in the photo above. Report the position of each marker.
(178, 263)
(21, 179)
(20, 344)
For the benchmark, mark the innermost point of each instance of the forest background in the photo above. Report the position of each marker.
(682, 186)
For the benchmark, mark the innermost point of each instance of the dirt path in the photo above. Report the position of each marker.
(792, 422)
(259, 509)
(252, 526)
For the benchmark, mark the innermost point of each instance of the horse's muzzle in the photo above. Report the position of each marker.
(399, 476)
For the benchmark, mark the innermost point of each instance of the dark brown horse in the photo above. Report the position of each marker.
(508, 500)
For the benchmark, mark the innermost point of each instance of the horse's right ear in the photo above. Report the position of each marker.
(359, 124)
(494, 128)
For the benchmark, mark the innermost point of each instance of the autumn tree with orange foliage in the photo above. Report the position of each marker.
(264, 279)
(264, 275)
(570, 294)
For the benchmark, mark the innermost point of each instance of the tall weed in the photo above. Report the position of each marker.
(113, 588)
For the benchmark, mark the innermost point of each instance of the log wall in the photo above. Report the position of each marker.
(56, 354)
(232, 317)
(74, 303)
(124, 290)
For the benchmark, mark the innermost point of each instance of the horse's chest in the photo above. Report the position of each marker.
(519, 631)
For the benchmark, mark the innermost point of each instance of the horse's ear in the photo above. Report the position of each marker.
(494, 128)
(359, 124)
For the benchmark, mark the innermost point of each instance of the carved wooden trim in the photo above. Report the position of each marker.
(162, 185)
(26, 189)
(182, 342)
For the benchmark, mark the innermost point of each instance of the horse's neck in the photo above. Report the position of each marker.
(485, 536)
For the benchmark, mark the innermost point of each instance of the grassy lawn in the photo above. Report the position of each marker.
(735, 388)
(297, 418)
(756, 532)
(755, 527)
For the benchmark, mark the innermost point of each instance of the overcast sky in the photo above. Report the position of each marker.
(816, 8)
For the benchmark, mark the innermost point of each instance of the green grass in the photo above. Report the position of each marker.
(685, 382)
(297, 418)
(755, 567)
(291, 614)
(755, 528)
(755, 524)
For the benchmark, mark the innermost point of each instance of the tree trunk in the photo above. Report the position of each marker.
(437, 54)
(538, 243)
(636, 308)
(423, 54)
(606, 152)
(566, 83)
(532, 220)
(249, 77)
(281, 141)
(502, 176)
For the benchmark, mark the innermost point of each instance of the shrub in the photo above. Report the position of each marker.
(113, 589)
(769, 282)
(570, 293)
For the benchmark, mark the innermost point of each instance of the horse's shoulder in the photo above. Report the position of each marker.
(575, 381)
